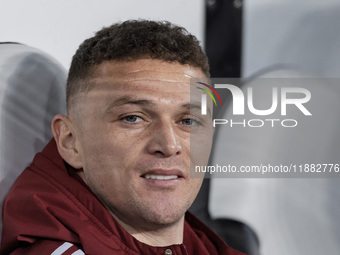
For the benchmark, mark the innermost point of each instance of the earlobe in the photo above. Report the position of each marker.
(66, 140)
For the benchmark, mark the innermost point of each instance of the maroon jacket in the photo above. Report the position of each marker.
(49, 210)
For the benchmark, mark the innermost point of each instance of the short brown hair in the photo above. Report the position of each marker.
(132, 40)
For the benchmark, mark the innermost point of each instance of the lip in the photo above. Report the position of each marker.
(164, 174)
(167, 172)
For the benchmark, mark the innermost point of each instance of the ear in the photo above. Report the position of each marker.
(65, 136)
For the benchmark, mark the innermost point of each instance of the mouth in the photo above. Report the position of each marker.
(160, 177)
(163, 177)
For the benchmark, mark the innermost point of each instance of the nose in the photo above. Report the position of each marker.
(164, 140)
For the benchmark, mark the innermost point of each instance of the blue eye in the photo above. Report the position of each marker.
(188, 122)
(132, 118)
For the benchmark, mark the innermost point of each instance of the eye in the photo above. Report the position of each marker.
(189, 122)
(132, 119)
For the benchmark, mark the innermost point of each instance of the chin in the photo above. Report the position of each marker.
(166, 215)
(165, 220)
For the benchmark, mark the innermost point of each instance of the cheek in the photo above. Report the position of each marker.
(105, 168)
(196, 184)
(100, 154)
(193, 188)
(109, 153)
(200, 148)
(101, 141)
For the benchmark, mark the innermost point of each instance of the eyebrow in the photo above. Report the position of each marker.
(194, 107)
(143, 102)
(130, 100)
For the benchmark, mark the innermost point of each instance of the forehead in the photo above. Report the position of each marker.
(160, 83)
(143, 74)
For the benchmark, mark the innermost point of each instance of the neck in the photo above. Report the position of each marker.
(160, 236)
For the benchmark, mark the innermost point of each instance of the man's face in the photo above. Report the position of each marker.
(133, 133)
